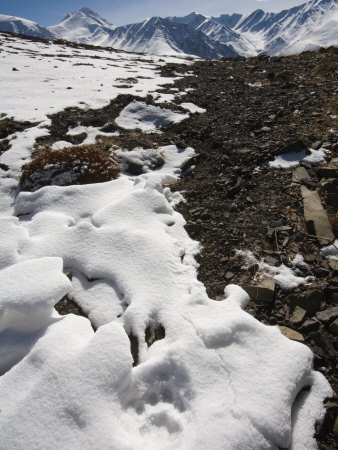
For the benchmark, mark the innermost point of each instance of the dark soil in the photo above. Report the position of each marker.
(9, 126)
(230, 206)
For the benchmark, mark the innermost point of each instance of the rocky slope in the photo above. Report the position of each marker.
(256, 109)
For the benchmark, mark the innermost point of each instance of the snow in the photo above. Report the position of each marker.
(91, 132)
(70, 77)
(191, 107)
(331, 251)
(218, 379)
(147, 118)
(292, 159)
(286, 277)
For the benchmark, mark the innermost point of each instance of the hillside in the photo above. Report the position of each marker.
(168, 249)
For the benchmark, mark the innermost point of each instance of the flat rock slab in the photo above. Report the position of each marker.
(300, 175)
(329, 170)
(333, 328)
(291, 334)
(264, 291)
(328, 314)
(317, 220)
(298, 316)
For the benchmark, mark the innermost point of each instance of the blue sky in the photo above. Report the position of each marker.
(120, 12)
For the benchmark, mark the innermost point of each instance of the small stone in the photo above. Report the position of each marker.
(316, 145)
(264, 291)
(333, 327)
(229, 275)
(328, 314)
(300, 175)
(310, 325)
(311, 301)
(322, 339)
(188, 164)
(333, 263)
(192, 228)
(291, 334)
(335, 429)
(298, 316)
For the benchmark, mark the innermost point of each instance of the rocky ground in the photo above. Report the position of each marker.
(256, 109)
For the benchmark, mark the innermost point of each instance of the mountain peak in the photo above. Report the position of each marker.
(88, 11)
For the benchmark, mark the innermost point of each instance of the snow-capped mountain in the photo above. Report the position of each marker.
(217, 31)
(84, 26)
(305, 27)
(162, 37)
(229, 20)
(155, 36)
(23, 26)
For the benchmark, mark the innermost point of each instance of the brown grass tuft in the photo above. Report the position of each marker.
(73, 165)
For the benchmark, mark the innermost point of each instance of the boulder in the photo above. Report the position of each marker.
(316, 218)
(291, 334)
(264, 291)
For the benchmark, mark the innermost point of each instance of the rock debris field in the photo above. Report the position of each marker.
(168, 261)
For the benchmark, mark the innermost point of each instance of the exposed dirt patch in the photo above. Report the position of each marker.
(67, 306)
(104, 119)
(9, 126)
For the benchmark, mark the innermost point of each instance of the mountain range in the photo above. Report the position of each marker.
(305, 27)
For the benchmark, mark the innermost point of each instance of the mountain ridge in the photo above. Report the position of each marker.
(305, 27)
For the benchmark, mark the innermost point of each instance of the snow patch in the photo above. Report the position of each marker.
(285, 277)
(147, 118)
(331, 251)
(191, 107)
(292, 159)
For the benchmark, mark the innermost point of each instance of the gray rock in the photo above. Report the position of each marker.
(328, 314)
(329, 170)
(291, 334)
(317, 220)
(300, 175)
(311, 301)
(298, 316)
(333, 327)
(328, 186)
(333, 263)
(332, 199)
(335, 429)
(264, 291)
(310, 325)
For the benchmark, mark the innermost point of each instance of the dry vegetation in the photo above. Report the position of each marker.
(75, 165)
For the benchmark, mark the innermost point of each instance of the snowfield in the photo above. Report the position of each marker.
(210, 376)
